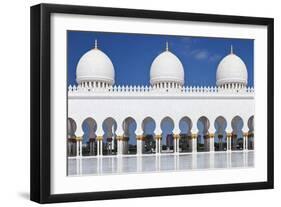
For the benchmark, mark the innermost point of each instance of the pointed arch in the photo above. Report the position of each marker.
(129, 137)
(237, 133)
(89, 127)
(203, 125)
(71, 137)
(220, 134)
(109, 126)
(167, 126)
(148, 127)
(251, 133)
(185, 125)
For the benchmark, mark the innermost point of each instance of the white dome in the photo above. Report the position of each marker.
(232, 69)
(166, 67)
(95, 65)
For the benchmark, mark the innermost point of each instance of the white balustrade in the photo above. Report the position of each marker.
(142, 90)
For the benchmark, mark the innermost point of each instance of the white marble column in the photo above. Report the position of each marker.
(212, 142)
(101, 146)
(228, 142)
(119, 145)
(194, 142)
(245, 141)
(140, 140)
(176, 143)
(158, 143)
(176, 135)
(79, 146)
(98, 147)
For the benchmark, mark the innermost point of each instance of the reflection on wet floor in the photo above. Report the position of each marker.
(159, 163)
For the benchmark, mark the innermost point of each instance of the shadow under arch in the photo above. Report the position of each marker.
(237, 133)
(89, 127)
(167, 127)
(148, 127)
(220, 134)
(129, 137)
(71, 137)
(109, 126)
(185, 125)
(251, 133)
(203, 141)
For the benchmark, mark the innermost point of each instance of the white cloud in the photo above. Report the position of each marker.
(215, 57)
(203, 54)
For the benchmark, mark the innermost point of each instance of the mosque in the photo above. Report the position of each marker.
(108, 119)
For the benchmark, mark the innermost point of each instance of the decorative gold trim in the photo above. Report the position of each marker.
(79, 138)
(177, 136)
(211, 135)
(194, 136)
(99, 138)
(120, 138)
(140, 137)
(158, 137)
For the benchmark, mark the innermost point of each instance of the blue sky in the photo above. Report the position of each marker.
(132, 55)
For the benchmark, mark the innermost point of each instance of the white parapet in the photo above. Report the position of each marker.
(148, 91)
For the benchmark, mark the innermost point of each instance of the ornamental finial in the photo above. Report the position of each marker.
(167, 46)
(96, 44)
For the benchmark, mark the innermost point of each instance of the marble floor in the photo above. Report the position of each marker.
(164, 162)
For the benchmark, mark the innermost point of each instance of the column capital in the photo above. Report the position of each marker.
(211, 135)
(177, 136)
(140, 137)
(194, 135)
(158, 136)
(119, 138)
(99, 138)
(78, 138)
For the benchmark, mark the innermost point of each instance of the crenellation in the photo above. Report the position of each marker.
(142, 90)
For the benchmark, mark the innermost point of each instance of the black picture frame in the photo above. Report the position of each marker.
(41, 98)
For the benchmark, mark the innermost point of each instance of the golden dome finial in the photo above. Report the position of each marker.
(167, 46)
(96, 44)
